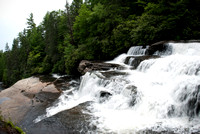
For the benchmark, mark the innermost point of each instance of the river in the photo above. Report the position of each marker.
(162, 95)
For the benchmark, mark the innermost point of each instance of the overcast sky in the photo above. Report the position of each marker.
(14, 14)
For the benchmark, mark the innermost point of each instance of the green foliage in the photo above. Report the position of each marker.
(95, 30)
(2, 64)
(18, 129)
(10, 124)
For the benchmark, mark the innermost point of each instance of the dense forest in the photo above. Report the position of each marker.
(95, 30)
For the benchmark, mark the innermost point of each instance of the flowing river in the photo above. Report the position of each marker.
(160, 95)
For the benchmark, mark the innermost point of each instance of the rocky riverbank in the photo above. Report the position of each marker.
(19, 99)
(28, 98)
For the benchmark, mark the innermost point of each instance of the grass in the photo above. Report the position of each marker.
(9, 125)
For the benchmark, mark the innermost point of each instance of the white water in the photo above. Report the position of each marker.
(167, 96)
(136, 50)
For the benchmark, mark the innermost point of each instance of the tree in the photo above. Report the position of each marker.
(69, 23)
(36, 54)
(7, 47)
(30, 22)
(2, 64)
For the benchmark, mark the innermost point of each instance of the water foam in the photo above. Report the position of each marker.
(160, 95)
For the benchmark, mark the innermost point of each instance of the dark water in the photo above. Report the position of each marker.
(1, 86)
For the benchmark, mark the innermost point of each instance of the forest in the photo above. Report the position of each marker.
(95, 30)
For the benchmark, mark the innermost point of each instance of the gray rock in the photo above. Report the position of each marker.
(159, 46)
(105, 94)
(132, 93)
(163, 46)
(134, 61)
(25, 94)
(88, 66)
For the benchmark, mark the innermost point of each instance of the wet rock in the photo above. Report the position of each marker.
(29, 98)
(159, 46)
(72, 121)
(105, 94)
(190, 101)
(62, 83)
(171, 111)
(163, 46)
(46, 78)
(131, 92)
(3, 99)
(193, 103)
(148, 131)
(134, 61)
(88, 66)
(109, 74)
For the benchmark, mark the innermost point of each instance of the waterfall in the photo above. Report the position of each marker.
(160, 95)
(136, 50)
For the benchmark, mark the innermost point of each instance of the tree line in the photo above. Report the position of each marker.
(95, 30)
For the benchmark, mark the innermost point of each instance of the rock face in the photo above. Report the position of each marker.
(72, 121)
(159, 46)
(162, 46)
(19, 99)
(134, 61)
(131, 92)
(88, 66)
(28, 98)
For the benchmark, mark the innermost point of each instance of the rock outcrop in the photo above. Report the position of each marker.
(29, 98)
(26, 94)
(88, 66)
(134, 61)
(163, 46)
(159, 46)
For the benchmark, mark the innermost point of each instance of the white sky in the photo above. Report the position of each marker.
(14, 14)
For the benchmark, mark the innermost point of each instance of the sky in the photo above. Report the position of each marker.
(14, 14)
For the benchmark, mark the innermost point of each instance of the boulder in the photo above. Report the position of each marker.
(131, 92)
(134, 61)
(88, 66)
(105, 94)
(159, 46)
(163, 46)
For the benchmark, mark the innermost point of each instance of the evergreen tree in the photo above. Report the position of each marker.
(7, 47)
(95, 30)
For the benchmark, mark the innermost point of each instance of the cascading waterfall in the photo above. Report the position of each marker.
(136, 50)
(161, 95)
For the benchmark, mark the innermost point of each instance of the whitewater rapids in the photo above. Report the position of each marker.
(161, 95)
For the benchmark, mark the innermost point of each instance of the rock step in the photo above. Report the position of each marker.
(134, 61)
(88, 66)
